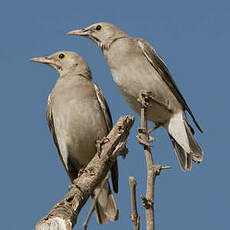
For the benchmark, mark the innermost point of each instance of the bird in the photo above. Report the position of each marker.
(78, 116)
(137, 68)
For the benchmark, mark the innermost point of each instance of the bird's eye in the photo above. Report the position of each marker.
(98, 27)
(61, 55)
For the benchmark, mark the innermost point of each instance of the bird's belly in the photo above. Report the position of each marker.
(82, 151)
(155, 112)
(131, 82)
(78, 131)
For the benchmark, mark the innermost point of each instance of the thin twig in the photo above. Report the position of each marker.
(149, 196)
(152, 169)
(85, 224)
(134, 215)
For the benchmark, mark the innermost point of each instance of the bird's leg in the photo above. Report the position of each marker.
(145, 98)
(156, 126)
(143, 135)
(99, 143)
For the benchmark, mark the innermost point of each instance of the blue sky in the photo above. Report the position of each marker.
(193, 39)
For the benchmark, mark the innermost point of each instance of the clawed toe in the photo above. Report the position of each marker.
(145, 98)
(142, 141)
(141, 137)
(99, 143)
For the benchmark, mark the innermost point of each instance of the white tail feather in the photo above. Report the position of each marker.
(185, 145)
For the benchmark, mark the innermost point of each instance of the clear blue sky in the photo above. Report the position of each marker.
(193, 39)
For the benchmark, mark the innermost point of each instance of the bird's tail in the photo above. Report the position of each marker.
(106, 208)
(185, 145)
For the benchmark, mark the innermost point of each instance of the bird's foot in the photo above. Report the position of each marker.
(99, 144)
(145, 98)
(81, 171)
(121, 149)
(71, 186)
(141, 137)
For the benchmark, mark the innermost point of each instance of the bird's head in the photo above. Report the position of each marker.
(103, 33)
(65, 62)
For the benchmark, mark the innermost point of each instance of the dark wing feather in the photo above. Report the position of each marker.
(108, 119)
(165, 75)
(104, 107)
(72, 172)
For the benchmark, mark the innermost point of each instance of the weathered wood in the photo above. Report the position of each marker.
(64, 214)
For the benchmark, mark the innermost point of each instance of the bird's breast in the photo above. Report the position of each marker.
(133, 73)
(78, 122)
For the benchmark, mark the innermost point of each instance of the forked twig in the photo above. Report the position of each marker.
(152, 169)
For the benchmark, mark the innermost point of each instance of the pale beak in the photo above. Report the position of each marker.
(46, 60)
(43, 60)
(81, 32)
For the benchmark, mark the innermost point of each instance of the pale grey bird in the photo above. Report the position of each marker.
(136, 67)
(78, 116)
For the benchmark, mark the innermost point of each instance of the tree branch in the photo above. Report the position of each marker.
(152, 169)
(64, 214)
(134, 215)
(149, 196)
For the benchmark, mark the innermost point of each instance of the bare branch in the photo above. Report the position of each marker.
(134, 215)
(152, 169)
(64, 214)
(149, 197)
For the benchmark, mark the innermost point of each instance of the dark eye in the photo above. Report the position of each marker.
(61, 55)
(98, 27)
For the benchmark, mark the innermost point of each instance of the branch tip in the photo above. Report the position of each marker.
(135, 218)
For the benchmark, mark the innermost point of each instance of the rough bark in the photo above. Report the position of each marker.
(64, 214)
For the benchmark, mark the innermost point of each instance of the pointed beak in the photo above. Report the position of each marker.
(81, 32)
(43, 60)
(48, 61)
